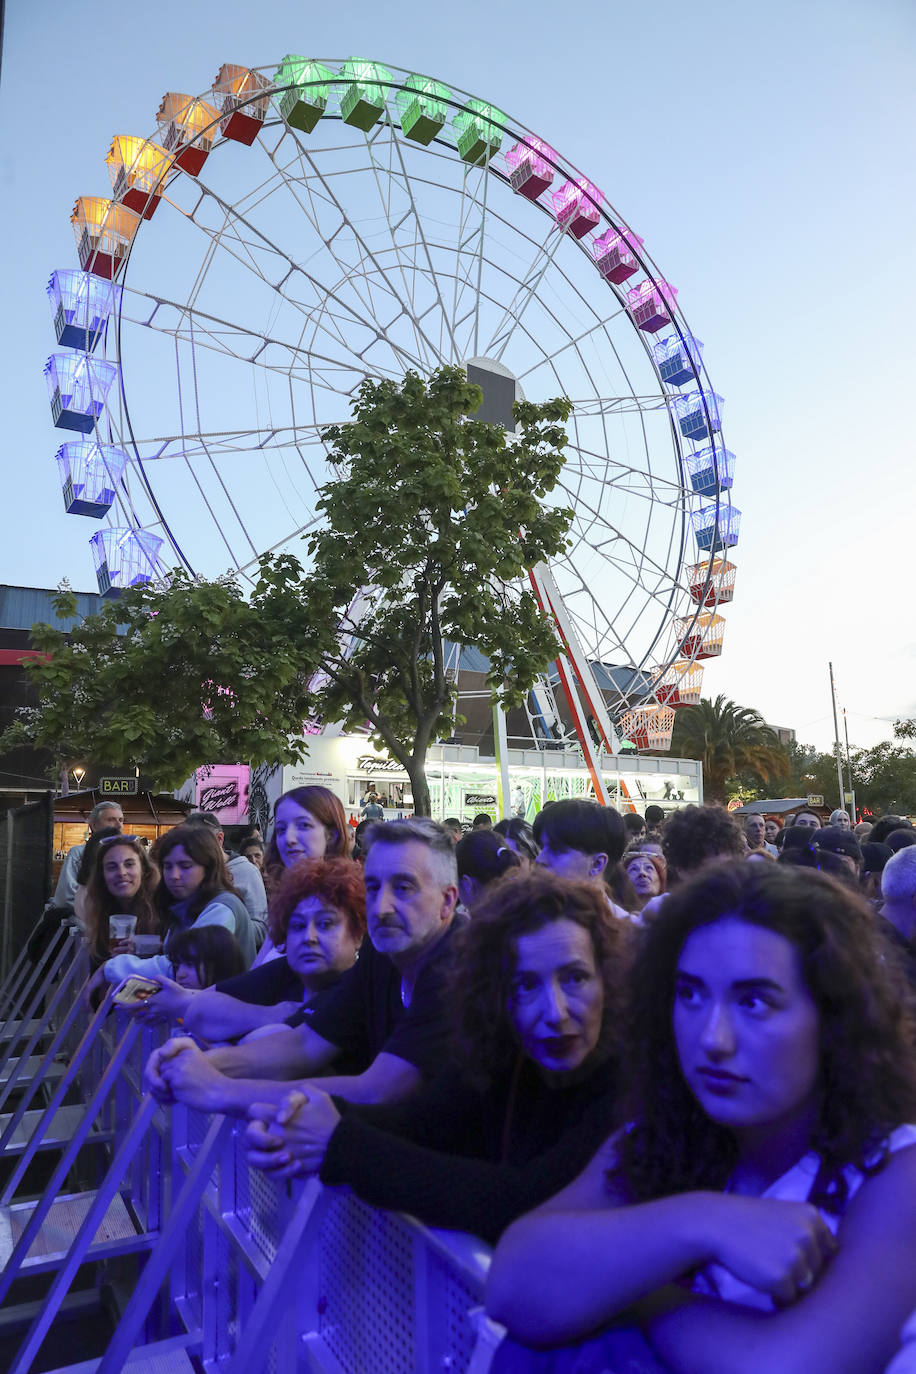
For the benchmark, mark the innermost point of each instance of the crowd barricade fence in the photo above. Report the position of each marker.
(33, 986)
(50, 1006)
(14, 980)
(239, 1271)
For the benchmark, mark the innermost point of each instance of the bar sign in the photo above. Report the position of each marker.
(118, 787)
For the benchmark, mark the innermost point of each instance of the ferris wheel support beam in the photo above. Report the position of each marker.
(549, 594)
(580, 724)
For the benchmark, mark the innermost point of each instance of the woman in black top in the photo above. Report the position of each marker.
(317, 919)
(531, 1086)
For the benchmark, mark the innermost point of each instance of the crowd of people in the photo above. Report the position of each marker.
(665, 1063)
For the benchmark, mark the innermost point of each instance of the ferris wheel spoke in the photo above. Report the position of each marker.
(615, 540)
(312, 177)
(600, 327)
(165, 448)
(420, 242)
(239, 342)
(617, 477)
(469, 255)
(526, 293)
(624, 405)
(298, 533)
(323, 293)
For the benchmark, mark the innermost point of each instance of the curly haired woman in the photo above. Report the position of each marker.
(759, 1213)
(532, 1087)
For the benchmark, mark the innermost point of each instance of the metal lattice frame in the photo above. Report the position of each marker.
(247, 322)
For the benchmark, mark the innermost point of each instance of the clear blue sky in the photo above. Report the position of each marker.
(764, 153)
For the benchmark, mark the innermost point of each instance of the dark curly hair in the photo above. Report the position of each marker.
(485, 1045)
(694, 834)
(338, 881)
(867, 1049)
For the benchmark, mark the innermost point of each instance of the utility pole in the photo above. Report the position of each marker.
(836, 739)
(851, 790)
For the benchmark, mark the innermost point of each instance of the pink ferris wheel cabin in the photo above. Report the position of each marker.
(650, 303)
(575, 206)
(531, 173)
(614, 254)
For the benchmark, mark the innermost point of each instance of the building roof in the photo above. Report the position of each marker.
(775, 806)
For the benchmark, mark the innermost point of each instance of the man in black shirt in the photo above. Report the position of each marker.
(386, 1013)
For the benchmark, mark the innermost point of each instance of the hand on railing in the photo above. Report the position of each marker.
(290, 1140)
(181, 1072)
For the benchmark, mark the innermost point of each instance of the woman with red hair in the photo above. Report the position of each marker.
(317, 920)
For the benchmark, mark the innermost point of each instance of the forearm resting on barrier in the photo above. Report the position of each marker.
(213, 1015)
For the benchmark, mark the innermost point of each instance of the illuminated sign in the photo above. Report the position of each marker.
(118, 787)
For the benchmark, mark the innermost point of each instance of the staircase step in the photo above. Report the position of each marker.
(60, 1132)
(117, 1233)
(30, 1068)
(160, 1357)
(21, 1029)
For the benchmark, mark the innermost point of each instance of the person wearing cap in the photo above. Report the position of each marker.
(835, 840)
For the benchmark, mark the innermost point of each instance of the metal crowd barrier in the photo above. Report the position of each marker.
(239, 1273)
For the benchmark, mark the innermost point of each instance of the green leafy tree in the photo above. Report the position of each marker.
(810, 772)
(433, 520)
(167, 679)
(729, 740)
(885, 779)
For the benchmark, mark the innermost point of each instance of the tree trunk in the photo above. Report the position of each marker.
(416, 771)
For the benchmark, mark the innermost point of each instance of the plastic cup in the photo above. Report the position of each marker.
(121, 927)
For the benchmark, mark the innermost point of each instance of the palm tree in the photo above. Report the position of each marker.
(727, 739)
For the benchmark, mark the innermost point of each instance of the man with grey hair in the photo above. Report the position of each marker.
(105, 815)
(385, 1019)
(755, 831)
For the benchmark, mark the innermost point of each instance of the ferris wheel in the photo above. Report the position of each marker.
(293, 230)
